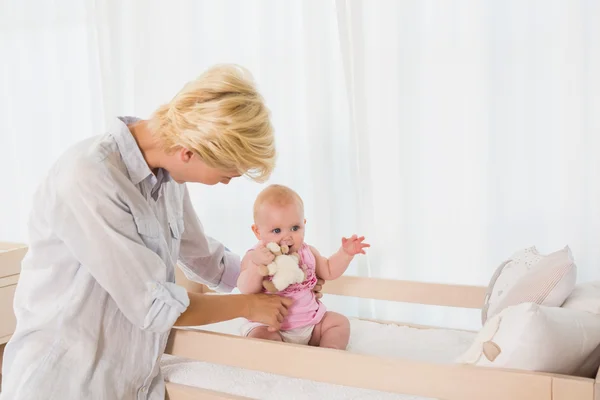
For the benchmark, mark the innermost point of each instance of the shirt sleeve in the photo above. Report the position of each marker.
(204, 259)
(99, 230)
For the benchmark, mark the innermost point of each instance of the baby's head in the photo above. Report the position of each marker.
(279, 217)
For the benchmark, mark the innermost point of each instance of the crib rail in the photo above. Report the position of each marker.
(463, 296)
(441, 381)
(183, 392)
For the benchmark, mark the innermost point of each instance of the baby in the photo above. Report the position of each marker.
(279, 218)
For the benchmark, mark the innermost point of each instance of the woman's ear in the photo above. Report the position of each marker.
(185, 155)
(256, 231)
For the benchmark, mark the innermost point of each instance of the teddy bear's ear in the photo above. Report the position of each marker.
(273, 247)
(284, 249)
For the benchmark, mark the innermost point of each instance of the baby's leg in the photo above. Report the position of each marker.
(333, 332)
(262, 332)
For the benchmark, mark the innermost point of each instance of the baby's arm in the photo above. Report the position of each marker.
(250, 279)
(333, 267)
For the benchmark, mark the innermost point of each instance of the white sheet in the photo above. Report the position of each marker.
(432, 345)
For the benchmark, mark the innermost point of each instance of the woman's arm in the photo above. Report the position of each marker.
(208, 309)
(96, 227)
(202, 258)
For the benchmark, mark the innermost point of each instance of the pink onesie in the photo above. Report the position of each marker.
(306, 309)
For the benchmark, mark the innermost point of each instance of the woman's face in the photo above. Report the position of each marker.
(186, 166)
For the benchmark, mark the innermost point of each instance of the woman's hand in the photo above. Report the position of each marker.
(268, 309)
(318, 287)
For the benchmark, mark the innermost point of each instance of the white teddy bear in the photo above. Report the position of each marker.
(284, 269)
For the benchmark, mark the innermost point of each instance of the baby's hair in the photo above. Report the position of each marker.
(278, 195)
(221, 117)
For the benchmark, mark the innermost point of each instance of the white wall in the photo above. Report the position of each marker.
(449, 133)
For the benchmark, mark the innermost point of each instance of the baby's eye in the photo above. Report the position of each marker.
(276, 231)
(295, 228)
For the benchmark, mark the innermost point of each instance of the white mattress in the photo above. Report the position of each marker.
(433, 345)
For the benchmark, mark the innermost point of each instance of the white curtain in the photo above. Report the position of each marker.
(450, 133)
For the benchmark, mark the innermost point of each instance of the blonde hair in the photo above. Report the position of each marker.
(221, 117)
(278, 195)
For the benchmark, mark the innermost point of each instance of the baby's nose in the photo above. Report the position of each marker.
(287, 241)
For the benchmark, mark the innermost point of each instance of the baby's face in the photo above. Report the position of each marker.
(283, 225)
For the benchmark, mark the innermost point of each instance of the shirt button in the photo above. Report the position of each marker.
(144, 389)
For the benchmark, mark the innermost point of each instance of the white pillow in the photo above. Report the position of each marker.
(530, 277)
(538, 338)
(585, 297)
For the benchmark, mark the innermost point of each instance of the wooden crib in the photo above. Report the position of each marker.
(441, 381)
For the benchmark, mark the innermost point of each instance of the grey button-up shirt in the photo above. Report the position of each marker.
(96, 298)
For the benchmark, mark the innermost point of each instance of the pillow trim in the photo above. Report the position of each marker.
(539, 297)
(500, 268)
(490, 290)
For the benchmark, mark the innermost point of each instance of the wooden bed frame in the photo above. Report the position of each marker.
(440, 381)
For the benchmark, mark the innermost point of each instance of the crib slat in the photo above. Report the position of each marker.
(407, 291)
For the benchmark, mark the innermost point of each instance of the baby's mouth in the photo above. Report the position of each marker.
(287, 243)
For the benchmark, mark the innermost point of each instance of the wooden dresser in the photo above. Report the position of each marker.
(11, 255)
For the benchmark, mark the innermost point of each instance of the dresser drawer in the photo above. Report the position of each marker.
(11, 255)
(7, 316)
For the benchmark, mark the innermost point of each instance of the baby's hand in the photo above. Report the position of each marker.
(354, 245)
(261, 255)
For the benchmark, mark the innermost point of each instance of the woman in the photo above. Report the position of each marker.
(97, 296)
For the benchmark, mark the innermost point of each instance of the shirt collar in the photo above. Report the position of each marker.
(136, 165)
